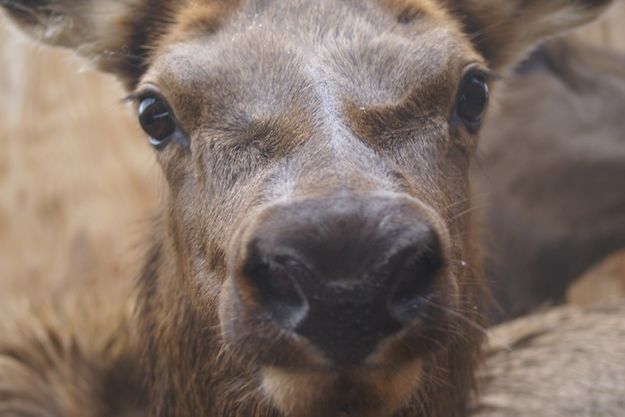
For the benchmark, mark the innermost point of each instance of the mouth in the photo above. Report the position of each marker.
(346, 392)
(338, 301)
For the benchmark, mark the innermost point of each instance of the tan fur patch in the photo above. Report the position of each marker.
(200, 18)
(410, 10)
(296, 393)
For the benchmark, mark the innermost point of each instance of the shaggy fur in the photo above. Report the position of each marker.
(565, 362)
(60, 356)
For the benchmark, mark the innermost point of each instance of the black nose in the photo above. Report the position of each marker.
(346, 272)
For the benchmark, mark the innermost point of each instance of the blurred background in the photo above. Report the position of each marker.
(78, 181)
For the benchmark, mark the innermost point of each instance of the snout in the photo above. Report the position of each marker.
(332, 282)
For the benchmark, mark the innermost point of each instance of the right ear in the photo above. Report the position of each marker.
(115, 35)
(504, 30)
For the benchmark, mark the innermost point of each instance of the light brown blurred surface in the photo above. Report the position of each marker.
(605, 281)
(609, 31)
(77, 179)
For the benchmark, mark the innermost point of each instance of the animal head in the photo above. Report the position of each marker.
(315, 253)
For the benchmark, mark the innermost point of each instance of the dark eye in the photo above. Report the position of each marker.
(157, 120)
(472, 100)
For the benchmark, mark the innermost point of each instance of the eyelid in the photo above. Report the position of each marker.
(491, 75)
(476, 67)
(143, 91)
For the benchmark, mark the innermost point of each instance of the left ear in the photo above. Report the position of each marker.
(114, 35)
(504, 30)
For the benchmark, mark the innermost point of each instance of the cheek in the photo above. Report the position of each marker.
(204, 225)
(196, 231)
(462, 149)
(176, 165)
(458, 205)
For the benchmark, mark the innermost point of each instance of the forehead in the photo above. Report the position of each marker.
(374, 50)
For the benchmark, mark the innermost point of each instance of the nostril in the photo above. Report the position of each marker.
(414, 277)
(280, 294)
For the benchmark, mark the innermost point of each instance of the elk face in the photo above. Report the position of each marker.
(316, 155)
(316, 251)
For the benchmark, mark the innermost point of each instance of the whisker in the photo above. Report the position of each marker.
(457, 315)
(469, 210)
(498, 341)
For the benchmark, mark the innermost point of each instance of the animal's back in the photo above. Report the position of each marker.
(565, 362)
(69, 354)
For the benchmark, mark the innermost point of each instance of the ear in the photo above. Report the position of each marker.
(504, 30)
(115, 35)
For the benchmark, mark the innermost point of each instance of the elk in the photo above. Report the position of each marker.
(316, 251)
(541, 231)
(564, 362)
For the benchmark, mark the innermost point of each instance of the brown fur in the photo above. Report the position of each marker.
(545, 229)
(564, 362)
(603, 281)
(251, 86)
(62, 356)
